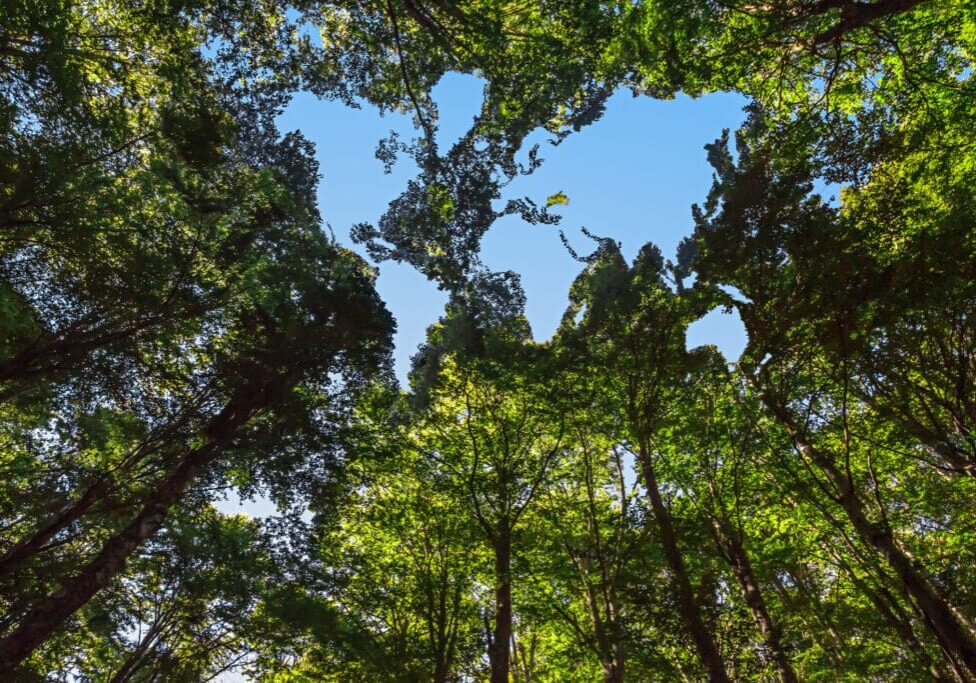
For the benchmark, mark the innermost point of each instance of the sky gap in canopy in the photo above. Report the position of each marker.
(632, 176)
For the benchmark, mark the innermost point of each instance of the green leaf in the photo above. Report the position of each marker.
(557, 199)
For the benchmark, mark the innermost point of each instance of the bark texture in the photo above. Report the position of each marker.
(499, 650)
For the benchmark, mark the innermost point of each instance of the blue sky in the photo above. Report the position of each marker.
(633, 176)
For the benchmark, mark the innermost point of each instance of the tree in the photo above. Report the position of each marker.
(583, 550)
(775, 233)
(634, 325)
(182, 609)
(400, 563)
(493, 441)
(709, 446)
(174, 325)
(277, 359)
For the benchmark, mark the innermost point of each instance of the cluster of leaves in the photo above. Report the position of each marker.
(173, 324)
(612, 505)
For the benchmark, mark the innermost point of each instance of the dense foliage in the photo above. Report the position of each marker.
(606, 505)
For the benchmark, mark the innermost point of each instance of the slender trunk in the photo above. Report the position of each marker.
(730, 544)
(523, 659)
(753, 597)
(606, 633)
(442, 657)
(886, 606)
(704, 643)
(56, 354)
(130, 665)
(889, 607)
(949, 659)
(442, 648)
(813, 621)
(937, 611)
(50, 613)
(73, 511)
(499, 651)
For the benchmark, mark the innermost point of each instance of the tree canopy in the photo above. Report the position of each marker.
(607, 505)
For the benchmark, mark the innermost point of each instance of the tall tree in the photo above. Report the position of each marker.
(710, 443)
(277, 359)
(773, 232)
(583, 546)
(491, 435)
(632, 324)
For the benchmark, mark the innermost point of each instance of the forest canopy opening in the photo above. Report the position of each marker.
(612, 502)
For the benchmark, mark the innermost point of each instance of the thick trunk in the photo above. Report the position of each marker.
(752, 596)
(50, 613)
(939, 614)
(499, 650)
(704, 643)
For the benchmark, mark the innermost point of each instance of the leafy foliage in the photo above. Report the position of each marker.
(608, 505)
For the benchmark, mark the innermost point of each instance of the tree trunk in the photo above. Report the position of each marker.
(704, 643)
(855, 15)
(937, 611)
(608, 640)
(130, 665)
(71, 512)
(499, 650)
(813, 619)
(52, 612)
(28, 547)
(606, 633)
(887, 606)
(613, 672)
(752, 596)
